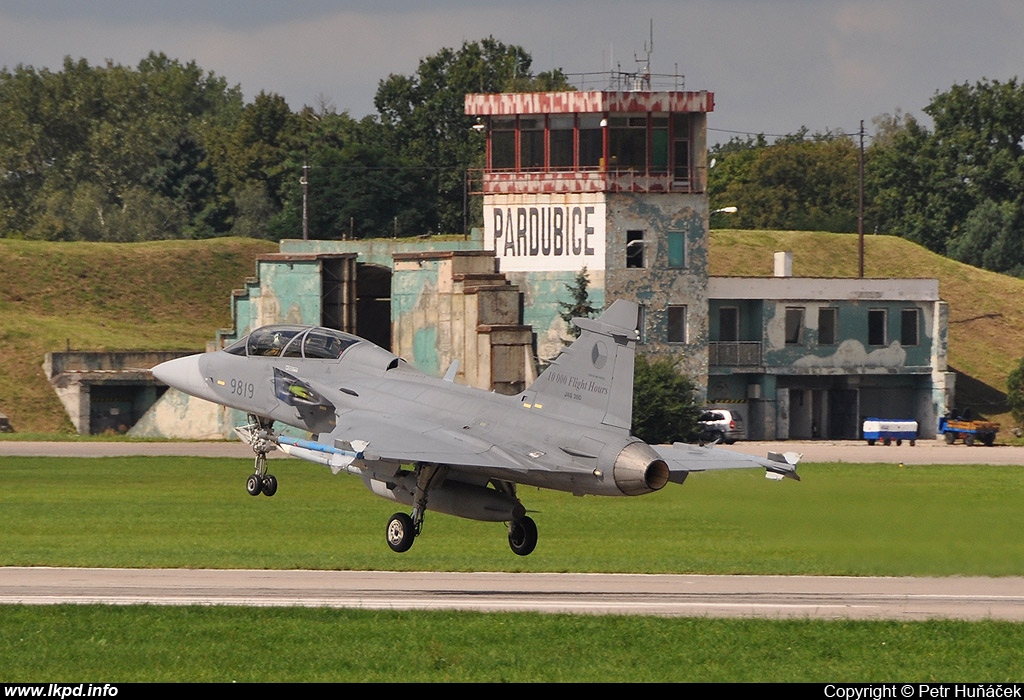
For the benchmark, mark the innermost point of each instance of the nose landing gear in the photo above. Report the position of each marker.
(259, 433)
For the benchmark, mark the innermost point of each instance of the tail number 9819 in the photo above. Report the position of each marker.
(241, 388)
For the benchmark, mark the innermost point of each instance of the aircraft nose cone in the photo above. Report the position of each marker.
(183, 374)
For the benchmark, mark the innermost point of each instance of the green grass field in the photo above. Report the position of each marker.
(855, 520)
(194, 512)
(97, 644)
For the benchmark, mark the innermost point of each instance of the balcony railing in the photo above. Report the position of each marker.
(742, 353)
(566, 181)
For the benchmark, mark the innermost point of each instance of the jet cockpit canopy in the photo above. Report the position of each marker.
(294, 341)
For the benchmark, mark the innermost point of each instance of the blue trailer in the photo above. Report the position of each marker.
(970, 431)
(887, 430)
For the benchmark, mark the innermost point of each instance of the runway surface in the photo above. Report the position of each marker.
(770, 597)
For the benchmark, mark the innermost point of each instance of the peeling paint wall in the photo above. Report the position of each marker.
(800, 380)
(662, 282)
(449, 307)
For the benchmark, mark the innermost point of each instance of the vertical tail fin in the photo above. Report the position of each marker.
(591, 382)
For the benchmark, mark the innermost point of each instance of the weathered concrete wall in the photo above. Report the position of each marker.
(453, 306)
(178, 415)
(73, 374)
(379, 251)
(813, 388)
(658, 285)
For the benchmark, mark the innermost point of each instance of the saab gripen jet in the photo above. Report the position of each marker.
(429, 443)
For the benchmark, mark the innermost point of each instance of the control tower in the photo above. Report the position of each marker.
(613, 181)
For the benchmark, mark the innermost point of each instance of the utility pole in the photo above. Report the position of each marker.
(860, 204)
(304, 180)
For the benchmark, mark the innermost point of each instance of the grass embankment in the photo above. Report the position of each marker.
(167, 295)
(175, 294)
(985, 314)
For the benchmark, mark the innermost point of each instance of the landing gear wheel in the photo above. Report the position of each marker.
(401, 532)
(522, 535)
(269, 485)
(254, 485)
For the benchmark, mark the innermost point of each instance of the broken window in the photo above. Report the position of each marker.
(635, 245)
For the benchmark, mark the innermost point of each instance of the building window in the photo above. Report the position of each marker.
(827, 326)
(635, 245)
(503, 143)
(677, 324)
(659, 144)
(677, 249)
(681, 149)
(908, 327)
(729, 324)
(876, 326)
(591, 141)
(627, 143)
(794, 325)
(531, 143)
(560, 139)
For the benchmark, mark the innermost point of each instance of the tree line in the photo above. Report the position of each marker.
(955, 188)
(168, 150)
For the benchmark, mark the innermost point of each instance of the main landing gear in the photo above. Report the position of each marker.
(522, 535)
(402, 529)
(261, 438)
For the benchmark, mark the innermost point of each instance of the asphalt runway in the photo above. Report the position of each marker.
(769, 597)
(772, 597)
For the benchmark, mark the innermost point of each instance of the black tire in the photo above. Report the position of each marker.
(871, 443)
(269, 485)
(400, 533)
(886, 441)
(950, 438)
(969, 440)
(254, 485)
(988, 439)
(522, 535)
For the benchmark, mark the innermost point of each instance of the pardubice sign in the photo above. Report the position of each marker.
(542, 236)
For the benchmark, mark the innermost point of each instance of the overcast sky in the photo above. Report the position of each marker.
(774, 65)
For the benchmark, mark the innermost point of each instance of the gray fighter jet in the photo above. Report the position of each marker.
(428, 442)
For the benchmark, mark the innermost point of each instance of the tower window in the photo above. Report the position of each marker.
(677, 324)
(635, 245)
